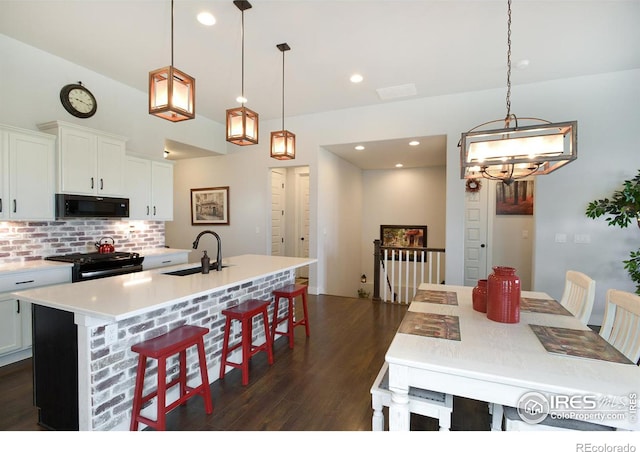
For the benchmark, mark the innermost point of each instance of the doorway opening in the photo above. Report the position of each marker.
(290, 215)
(494, 236)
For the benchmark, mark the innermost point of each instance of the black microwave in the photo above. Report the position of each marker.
(79, 206)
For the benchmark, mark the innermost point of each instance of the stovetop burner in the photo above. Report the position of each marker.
(82, 258)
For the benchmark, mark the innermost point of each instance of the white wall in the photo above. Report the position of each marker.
(30, 83)
(605, 106)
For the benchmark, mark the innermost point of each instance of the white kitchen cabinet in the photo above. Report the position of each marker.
(149, 187)
(28, 177)
(15, 314)
(89, 162)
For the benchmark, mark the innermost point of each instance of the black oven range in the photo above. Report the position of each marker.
(88, 266)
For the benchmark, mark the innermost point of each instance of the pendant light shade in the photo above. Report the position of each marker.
(172, 93)
(283, 142)
(242, 123)
(516, 151)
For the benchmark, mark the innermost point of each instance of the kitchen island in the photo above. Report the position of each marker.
(111, 314)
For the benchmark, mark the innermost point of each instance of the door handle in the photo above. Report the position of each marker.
(92, 183)
(482, 245)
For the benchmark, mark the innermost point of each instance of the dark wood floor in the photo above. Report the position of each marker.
(321, 385)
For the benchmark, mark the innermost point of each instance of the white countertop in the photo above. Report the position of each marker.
(18, 267)
(119, 297)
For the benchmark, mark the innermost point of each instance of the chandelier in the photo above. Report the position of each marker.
(516, 151)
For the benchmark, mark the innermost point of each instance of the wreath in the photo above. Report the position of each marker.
(473, 185)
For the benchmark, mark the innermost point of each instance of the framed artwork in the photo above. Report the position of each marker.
(210, 205)
(400, 236)
(515, 199)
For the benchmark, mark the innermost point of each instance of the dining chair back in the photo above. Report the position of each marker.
(578, 295)
(621, 323)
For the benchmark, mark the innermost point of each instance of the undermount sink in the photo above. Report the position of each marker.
(192, 270)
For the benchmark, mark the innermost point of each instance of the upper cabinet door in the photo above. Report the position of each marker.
(162, 191)
(77, 164)
(109, 177)
(31, 182)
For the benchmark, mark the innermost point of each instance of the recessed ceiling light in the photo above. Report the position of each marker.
(359, 147)
(522, 64)
(206, 18)
(399, 165)
(414, 143)
(356, 78)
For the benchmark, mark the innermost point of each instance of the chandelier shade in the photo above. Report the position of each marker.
(283, 142)
(172, 93)
(242, 126)
(515, 152)
(242, 123)
(283, 145)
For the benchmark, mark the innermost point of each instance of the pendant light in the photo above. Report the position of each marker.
(516, 151)
(172, 93)
(283, 142)
(242, 123)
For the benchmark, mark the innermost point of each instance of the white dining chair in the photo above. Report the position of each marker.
(578, 295)
(421, 401)
(621, 328)
(621, 323)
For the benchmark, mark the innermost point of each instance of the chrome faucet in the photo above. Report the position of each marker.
(219, 255)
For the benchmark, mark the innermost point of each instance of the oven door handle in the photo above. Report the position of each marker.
(85, 275)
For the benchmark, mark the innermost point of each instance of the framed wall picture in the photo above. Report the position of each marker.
(210, 205)
(516, 198)
(400, 236)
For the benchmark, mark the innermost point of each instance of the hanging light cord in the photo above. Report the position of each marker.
(508, 62)
(283, 90)
(242, 69)
(171, 33)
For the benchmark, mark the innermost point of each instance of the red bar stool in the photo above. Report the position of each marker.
(290, 292)
(244, 313)
(162, 347)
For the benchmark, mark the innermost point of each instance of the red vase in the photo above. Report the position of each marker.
(479, 296)
(503, 295)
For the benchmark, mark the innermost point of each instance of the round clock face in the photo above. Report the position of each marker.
(78, 101)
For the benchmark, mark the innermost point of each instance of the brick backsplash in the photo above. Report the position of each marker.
(34, 240)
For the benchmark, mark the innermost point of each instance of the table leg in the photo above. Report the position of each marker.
(399, 415)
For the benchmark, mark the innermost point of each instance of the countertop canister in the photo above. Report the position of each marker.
(503, 295)
(479, 296)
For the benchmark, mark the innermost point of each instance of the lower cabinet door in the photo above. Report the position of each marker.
(10, 325)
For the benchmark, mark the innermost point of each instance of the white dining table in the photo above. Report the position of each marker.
(500, 362)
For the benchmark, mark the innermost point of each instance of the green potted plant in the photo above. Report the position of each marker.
(621, 210)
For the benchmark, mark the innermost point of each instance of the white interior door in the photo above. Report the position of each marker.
(302, 217)
(277, 211)
(476, 231)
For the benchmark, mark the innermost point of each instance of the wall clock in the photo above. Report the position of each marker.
(78, 100)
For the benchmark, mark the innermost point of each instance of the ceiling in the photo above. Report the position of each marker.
(432, 47)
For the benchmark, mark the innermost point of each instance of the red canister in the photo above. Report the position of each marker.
(479, 296)
(503, 295)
